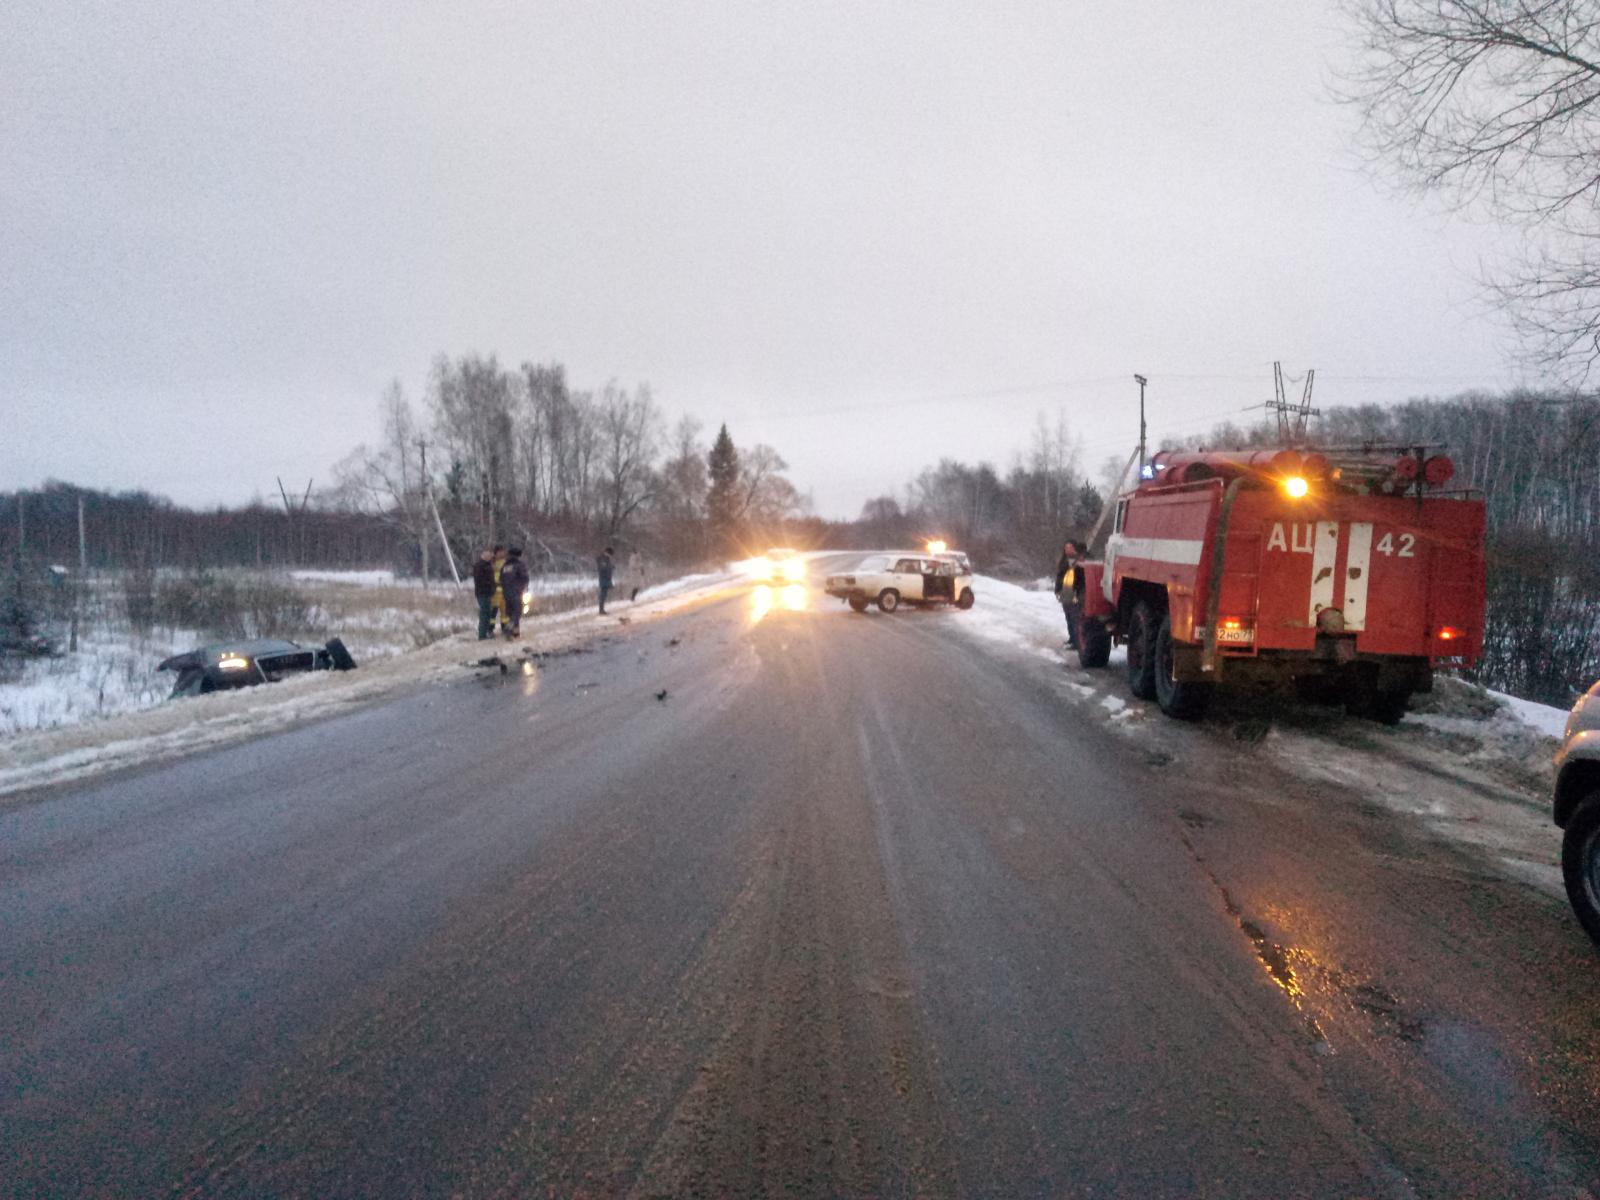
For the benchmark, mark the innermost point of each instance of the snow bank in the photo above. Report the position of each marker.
(1474, 766)
(355, 578)
(1551, 722)
(1026, 617)
(62, 742)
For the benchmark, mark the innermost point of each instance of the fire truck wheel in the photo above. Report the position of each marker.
(1386, 708)
(966, 599)
(1142, 652)
(1185, 701)
(858, 603)
(888, 600)
(1094, 644)
(1580, 863)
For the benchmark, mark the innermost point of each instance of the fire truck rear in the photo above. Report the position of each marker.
(1351, 573)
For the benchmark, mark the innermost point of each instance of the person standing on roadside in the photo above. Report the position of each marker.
(636, 574)
(604, 566)
(1069, 588)
(513, 582)
(499, 593)
(483, 588)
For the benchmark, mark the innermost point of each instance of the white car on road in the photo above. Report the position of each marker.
(890, 580)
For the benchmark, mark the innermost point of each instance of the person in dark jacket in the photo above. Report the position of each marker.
(513, 582)
(483, 585)
(1069, 588)
(604, 565)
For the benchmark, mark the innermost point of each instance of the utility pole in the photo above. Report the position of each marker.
(83, 542)
(448, 553)
(288, 512)
(438, 522)
(305, 506)
(1141, 381)
(422, 541)
(289, 509)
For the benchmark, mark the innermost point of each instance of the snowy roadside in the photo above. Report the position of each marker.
(113, 669)
(169, 730)
(1472, 765)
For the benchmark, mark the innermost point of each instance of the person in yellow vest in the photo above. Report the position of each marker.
(502, 620)
(1069, 588)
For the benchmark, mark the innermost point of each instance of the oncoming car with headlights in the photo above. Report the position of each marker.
(781, 564)
(890, 580)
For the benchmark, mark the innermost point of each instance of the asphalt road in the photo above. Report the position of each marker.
(798, 903)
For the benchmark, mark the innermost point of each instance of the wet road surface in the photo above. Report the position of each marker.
(767, 901)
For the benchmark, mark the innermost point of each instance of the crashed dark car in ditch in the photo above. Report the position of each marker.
(227, 665)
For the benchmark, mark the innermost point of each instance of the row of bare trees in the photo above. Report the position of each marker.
(41, 527)
(1013, 523)
(520, 455)
(489, 455)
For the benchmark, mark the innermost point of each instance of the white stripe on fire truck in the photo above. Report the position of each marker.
(1324, 551)
(1357, 575)
(1181, 551)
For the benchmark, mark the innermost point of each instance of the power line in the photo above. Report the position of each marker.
(801, 412)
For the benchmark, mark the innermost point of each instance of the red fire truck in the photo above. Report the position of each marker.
(1349, 572)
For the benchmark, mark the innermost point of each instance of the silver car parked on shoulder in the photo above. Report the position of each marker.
(1577, 809)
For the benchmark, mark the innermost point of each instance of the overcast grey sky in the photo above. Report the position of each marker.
(868, 234)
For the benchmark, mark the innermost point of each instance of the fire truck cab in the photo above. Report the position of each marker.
(1349, 572)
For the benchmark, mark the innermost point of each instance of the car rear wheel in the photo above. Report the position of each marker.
(1185, 701)
(966, 599)
(1580, 863)
(888, 600)
(341, 657)
(1094, 643)
(858, 603)
(1142, 652)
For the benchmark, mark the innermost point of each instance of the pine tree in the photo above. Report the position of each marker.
(722, 500)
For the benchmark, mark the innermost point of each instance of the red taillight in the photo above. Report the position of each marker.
(1449, 633)
(1438, 470)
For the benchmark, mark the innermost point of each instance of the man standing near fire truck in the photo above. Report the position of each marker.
(1069, 588)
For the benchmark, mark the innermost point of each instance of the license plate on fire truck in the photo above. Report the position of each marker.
(1237, 635)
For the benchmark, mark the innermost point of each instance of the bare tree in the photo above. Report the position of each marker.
(473, 401)
(629, 429)
(766, 498)
(388, 481)
(681, 505)
(1491, 104)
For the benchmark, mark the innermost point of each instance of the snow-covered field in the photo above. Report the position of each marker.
(378, 616)
(1473, 765)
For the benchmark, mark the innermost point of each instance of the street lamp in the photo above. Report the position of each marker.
(1141, 381)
